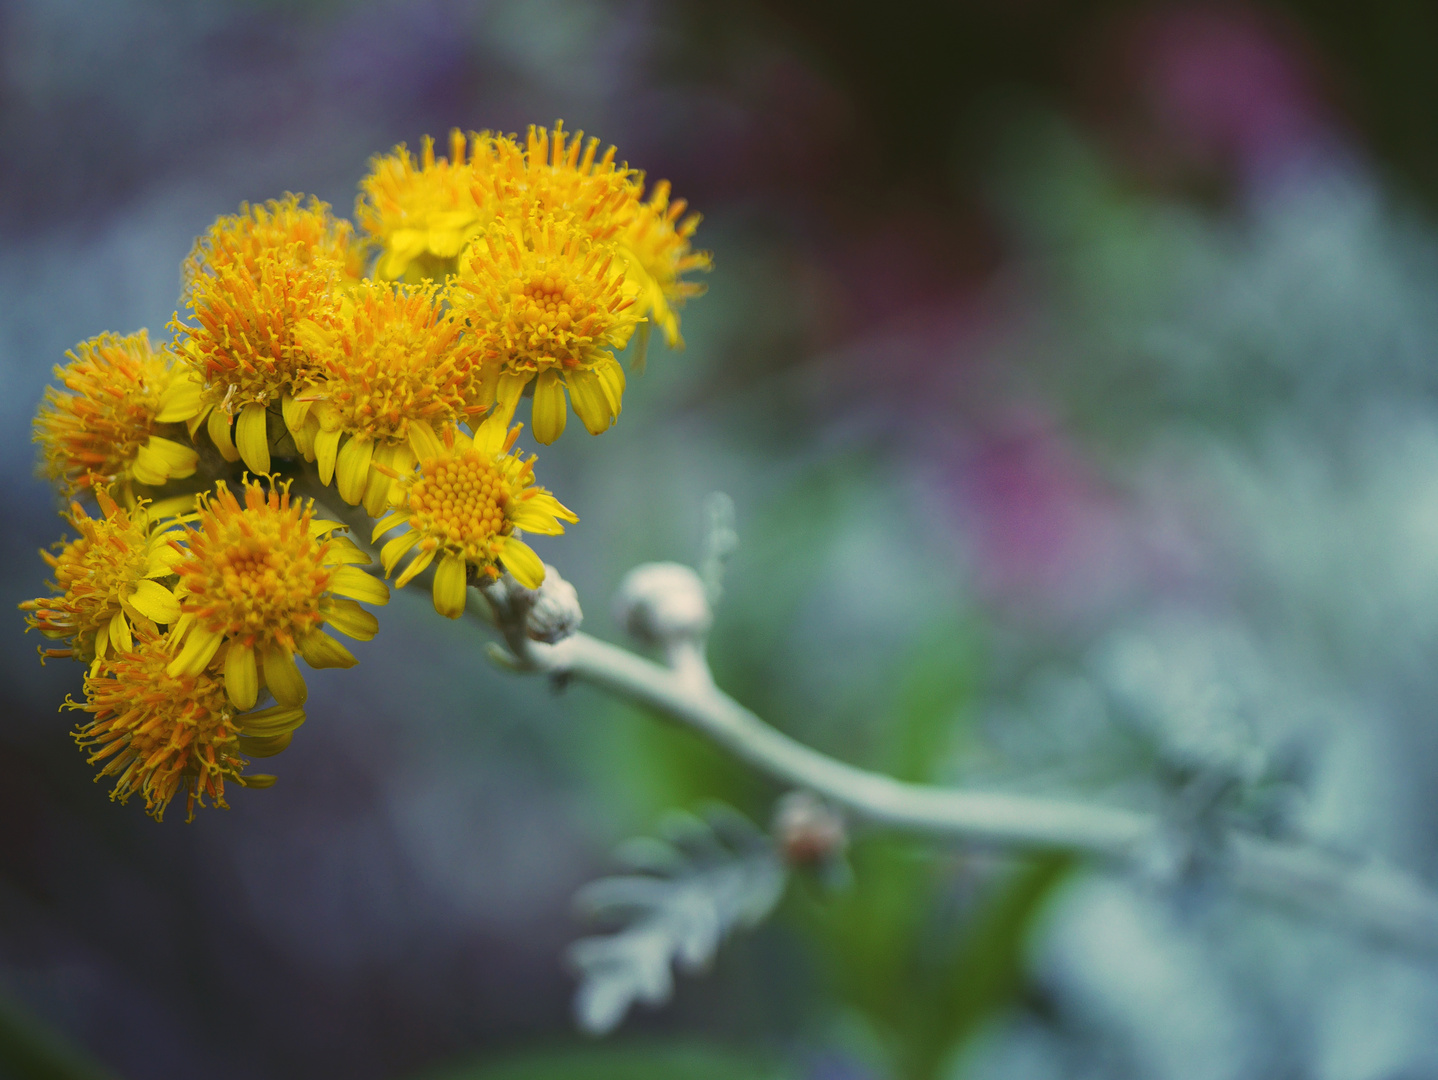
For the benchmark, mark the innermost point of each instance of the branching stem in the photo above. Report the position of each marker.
(1375, 900)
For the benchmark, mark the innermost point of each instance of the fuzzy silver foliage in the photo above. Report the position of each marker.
(702, 880)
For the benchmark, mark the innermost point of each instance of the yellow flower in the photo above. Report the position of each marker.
(544, 304)
(396, 372)
(112, 427)
(463, 506)
(262, 579)
(656, 244)
(567, 181)
(605, 202)
(157, 732)
(422, 213)
(111, 581)
(250, 283)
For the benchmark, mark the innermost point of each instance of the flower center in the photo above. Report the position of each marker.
(460, 499)
(262, 579)
(550, 304)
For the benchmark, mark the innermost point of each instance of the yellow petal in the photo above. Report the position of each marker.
(550, 409)
(295, 412)
(323, 526)
(423, 441)
(416, 566)
(376, 493)
(160, 562)
(641, 348)
(322, 651)
(251, 438)
(356, 584)
(267, 723)
(349, 618)
(305, 437)
(199, 650)
(326, 445)
(242, 678)
(282, 676)
(521, 561)
(506, 396)
(352, 468)
(175, 506)
(490, 436)
(155, 602)
(178, 459)
(343, 551)
(264, 747)
(385, 524)
(590, 403)
(161, 459)
(531, 518)
(450, 589)
(180, 400)
(550, 505)
(611, 380)
(394, 550)
(120, 633)
(102, 641)
(218, 426)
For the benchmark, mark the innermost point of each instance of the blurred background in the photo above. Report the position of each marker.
(1073, 368)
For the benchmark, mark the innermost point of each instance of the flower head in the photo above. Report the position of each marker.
(111, 580)
(264, 578)
(604, 202)
(112, 427)
(423, 212)
(158, 733)
(656, 243)
(463, 506)
(396, 372)
(545, 304)
(253, 279)
(563, 176)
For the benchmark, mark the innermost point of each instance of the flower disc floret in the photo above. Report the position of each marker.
(464, 506)
(563, 176)
(117, 421)
(253, 279)
(545, 305)
(112, 579)
(423, 212)
(158, 733)
(397, 370)
(263, 578)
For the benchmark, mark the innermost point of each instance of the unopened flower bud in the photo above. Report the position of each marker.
(808, 830)
(662, 602)
(551, 612)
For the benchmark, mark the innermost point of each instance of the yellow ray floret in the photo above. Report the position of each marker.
(463, 506)
(117, 423)
(112, 580)
(545, 305)
(250, 283)
(261, 579)
(396, 371)
(423, 212)
(158, 733)
(656, 243)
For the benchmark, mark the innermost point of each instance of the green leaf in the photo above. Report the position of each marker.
(936, 683)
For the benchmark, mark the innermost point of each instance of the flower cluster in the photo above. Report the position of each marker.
(383, 362)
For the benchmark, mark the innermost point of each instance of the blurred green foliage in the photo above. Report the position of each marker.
(620, 1062)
